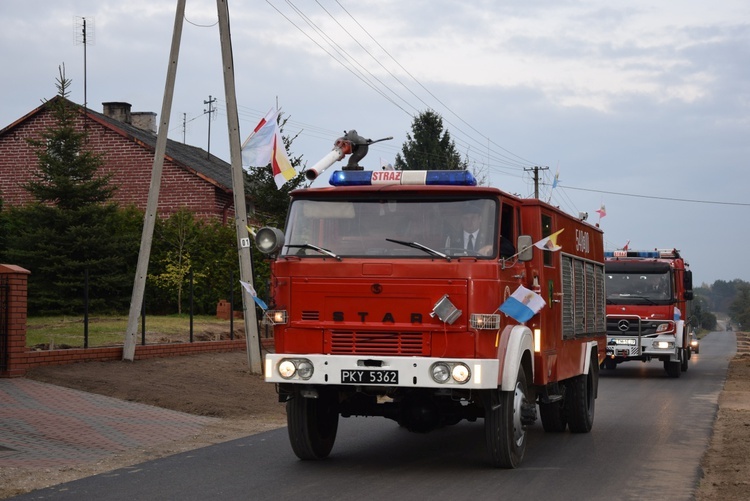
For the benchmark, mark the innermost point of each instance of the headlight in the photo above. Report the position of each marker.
(287, 369)
(460, 373)
(440, 372)
(296, 368)
(663, 345)
(450, 372)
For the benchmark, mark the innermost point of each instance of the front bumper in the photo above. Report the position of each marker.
(409, 372)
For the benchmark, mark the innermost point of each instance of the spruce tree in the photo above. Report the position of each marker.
(429, 147)
(68, 174)
(71, 231)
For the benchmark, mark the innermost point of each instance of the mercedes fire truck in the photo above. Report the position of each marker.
(376, 311)
(648, 308)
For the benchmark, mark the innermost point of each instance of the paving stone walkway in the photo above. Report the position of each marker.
(43, 425)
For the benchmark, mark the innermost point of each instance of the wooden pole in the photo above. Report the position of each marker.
(238, 188)
(139, 284)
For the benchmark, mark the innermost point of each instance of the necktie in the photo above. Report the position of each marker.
(470, 245)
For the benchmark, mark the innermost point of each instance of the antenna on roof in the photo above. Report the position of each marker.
(84, 34)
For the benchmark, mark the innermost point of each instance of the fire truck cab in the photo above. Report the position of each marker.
(648, 308)
(379, 309)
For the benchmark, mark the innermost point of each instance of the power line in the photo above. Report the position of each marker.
(670, 199)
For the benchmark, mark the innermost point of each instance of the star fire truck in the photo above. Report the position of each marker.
(376, 312)
(648, 308)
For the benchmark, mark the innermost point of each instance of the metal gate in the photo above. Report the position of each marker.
(4, 322)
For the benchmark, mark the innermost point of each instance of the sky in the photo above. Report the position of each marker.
(639, 107)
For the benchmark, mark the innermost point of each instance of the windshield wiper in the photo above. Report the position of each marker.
(417, 245)
(315, 248)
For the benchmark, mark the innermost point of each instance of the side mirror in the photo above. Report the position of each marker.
(525, 246)
(687, 281)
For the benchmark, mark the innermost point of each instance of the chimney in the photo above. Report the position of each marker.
(145, 120)
(118, 111)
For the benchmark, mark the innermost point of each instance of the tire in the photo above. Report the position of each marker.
(554, 418)
(312, 424)
(672, 368)
(505, 433)
(609, 364)
(580, 399)
(685, 356)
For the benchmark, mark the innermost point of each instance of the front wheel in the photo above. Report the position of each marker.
(684, 359)
(504, 430)
(312, 424)
(673, 368)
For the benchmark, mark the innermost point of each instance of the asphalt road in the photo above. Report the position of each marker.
(649, 435)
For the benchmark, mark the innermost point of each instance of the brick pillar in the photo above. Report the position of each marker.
(17, 279)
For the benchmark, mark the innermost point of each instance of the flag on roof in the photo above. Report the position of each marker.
(602, 211)
(522, 304)
(625, 247)
(556, 180)
(265, 146)
(549, 243)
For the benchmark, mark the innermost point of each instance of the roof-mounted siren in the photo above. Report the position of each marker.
(350, 143)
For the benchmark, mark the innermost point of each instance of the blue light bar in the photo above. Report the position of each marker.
(407, 177)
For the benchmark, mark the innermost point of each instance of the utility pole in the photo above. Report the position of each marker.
(238, 189)
(536, 170)
(210, 111)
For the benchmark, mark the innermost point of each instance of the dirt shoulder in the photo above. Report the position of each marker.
(220, 385)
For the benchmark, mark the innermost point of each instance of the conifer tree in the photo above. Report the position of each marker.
(429, 147)
(71, 231)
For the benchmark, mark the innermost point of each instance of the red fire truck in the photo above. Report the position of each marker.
(378, 310)
(648, 308)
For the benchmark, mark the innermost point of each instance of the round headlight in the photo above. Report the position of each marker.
(269, 240)
(287, 369)
(305, 369)
(440, 372)
(460, 373)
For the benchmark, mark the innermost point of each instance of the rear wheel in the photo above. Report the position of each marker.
(312, 424)
(504, 431)
(553, 416)
(580, 398)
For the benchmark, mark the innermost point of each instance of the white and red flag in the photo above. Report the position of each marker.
(265, 146)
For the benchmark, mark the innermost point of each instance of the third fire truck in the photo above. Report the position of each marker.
(648, 308)
(378, 311)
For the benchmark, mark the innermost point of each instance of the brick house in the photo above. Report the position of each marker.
(191, 178)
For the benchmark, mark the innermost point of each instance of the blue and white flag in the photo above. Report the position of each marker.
(250, 290)
(523, 304)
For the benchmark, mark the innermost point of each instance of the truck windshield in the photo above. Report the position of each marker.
(396, 227)
(639, 287)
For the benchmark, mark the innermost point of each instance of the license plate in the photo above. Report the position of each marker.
(369, 376)
(630, 342)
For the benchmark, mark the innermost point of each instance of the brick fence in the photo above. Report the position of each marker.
(16, 358)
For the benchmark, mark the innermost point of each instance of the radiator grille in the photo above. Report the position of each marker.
(378, 343)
